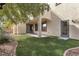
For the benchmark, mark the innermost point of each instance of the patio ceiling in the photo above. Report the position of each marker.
(36, 21)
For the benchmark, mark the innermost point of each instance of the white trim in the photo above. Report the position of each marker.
(65, 38)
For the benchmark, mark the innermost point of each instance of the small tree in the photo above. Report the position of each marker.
(20, 12)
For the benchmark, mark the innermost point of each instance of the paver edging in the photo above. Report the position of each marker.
(69, 49)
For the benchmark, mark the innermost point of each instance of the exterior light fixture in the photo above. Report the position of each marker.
(75, 21)
(57, 4)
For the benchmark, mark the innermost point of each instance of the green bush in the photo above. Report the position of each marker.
(3, 37)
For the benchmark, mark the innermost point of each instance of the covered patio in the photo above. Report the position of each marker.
(34, 26)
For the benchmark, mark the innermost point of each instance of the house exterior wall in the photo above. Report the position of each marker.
(68, 11)
(22, 28)
(53, 26)
(65, 11)
(74, 30)
(19, 28)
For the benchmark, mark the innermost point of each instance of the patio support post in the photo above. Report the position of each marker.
(13, 30)
(39, 26)
(17, 29)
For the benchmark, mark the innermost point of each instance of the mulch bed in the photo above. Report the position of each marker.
(8, 49)
(72, 52)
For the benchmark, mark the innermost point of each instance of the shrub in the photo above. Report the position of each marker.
(3, 37)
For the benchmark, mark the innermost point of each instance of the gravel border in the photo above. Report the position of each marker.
(8, 49)
(72, 52)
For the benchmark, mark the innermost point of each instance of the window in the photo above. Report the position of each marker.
(44, 26)
(36, 27)
(65, 28)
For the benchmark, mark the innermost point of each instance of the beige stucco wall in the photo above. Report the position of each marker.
(62, 12)
(22, 28)
(53, 26)
(65, 11)
(19, 28)
(74, 30)
(68, 11)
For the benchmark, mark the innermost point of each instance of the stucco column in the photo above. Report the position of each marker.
(17, 29)
(13, 30)
(39, 27)
(34, 28)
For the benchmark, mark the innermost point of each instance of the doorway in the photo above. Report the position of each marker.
(29, 28)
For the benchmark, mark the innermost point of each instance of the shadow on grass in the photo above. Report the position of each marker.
(48, 46)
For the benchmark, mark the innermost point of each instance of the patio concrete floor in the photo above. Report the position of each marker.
(36, 35)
